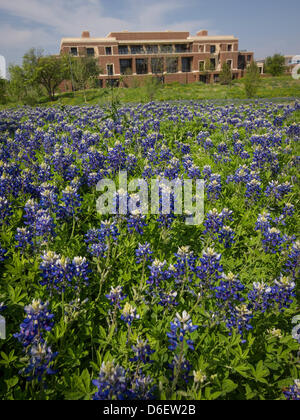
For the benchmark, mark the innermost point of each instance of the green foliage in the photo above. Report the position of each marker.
(275, 65)
(226, 75)
(251, 80)
(82, 71)
(151, 87)
(50, 72)
(3, 91)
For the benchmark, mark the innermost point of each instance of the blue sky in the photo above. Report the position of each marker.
(263, 26)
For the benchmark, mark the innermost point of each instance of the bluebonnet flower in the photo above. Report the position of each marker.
(38, 319)
(71, 202)
(112, 383)
(23, 238)
(136, 222)
(239, 319)
(181, 365)
(158, 273)
(206, 172)
(229, 291)
(142, 387)
(143, 253)
(194, 172)
(263, 222)
(278, 191)
(226, 236)
(288, 210)
(283, 292)
(167, 299)
(253, 190)
(293, 260)
(210, 269)
(129, 314)
(41, 359)
(293, 392)
(79, 271)
(208, 144)
(260, 297)
(272, 241)
(181, 326)
(5, 210)
(44, 224)
(142, 352)
(296, 329)
(116, 296)
(49, 199)
(214, 187)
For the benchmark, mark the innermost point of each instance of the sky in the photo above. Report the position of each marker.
(263, 26)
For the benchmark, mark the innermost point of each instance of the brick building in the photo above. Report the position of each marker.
(171, 56)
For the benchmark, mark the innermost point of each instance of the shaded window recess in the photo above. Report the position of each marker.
(152, 49)
(108, 51)
(203, 78)
(201, 48)
(201, 66)
(110, 69)
(182, 48)
(90, 52)
(126, 66)
(157, 65)
(249, 57)
(166, 49)
(186, 64)
(216, 78)
(137, 49)
(229, 47)
(74, 51)
(212, 49)
(241, 62)
(123, 49)
(141, 66)
(172, 65)
(229, 63)
(213, 64)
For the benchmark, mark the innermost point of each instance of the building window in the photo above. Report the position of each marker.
(141, 66)
(229, 63)
(123, 49)
(152, 49)
(110, 69)
(241, 62)
(90, 52)
(212, 49)
(186, 64)
(216, 78)
(201, 65)
(182, 48)
(166, 49)
(137, 49)
(99, 83)
(157, 65)
(212, 64)
(172, 65)
(249, 57)
(201, 48)
(108, 51)
(229, 47)
(74, 51)
(126, 66)
(203, 78)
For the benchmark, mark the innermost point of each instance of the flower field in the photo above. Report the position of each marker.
(146, 306)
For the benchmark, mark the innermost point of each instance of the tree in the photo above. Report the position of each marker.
(50, 72)
(3, 91)
(251, 80)
(225, 75)
(23, 86)
(84, 71)
(275, 65)
(152, 85)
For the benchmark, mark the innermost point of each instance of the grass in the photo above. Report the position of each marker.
(273, 87)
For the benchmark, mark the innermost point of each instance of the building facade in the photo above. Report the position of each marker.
(172, 56)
